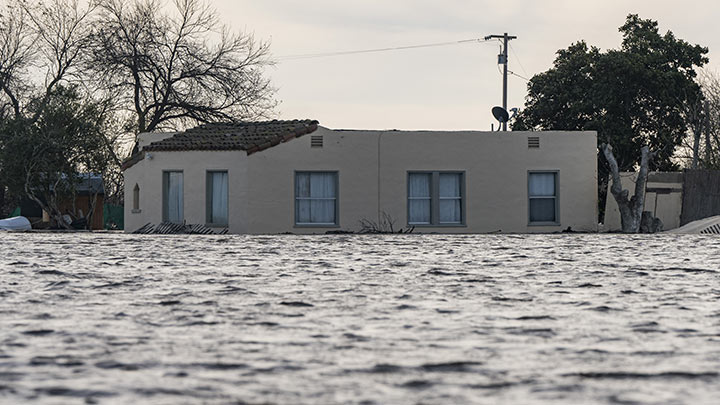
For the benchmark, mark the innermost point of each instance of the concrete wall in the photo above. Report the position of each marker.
(663, 198)
(372, 170)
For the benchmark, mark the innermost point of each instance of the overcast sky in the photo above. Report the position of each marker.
(451, 87)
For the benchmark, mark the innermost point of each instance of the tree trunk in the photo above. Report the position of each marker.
(696, 149)
(52, 210)
(708, 145)
(631, 209)
(91, 211)
(49, 206)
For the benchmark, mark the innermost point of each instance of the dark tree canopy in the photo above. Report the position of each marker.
(633, 96)
(44, 158)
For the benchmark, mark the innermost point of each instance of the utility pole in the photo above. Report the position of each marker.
(503, 60)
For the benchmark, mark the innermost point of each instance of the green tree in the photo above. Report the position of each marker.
(633, 96)
(44, 157)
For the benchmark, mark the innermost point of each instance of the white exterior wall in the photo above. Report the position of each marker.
(352, 154)
(148, 174)
(372, 171)
(496, 166)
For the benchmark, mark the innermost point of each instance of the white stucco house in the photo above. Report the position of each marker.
(296, 176)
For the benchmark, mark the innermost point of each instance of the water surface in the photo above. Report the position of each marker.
(396, 319)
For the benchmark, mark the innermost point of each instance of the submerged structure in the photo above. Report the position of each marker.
(299, 177)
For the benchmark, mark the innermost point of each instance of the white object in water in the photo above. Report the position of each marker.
(15, 224)
(710, 225)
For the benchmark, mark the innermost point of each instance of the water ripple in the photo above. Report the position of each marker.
(359, 319)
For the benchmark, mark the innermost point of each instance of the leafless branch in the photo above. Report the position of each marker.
(180, 68)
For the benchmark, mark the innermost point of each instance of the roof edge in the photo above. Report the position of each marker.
(132, 160)
(259, 135)
(298, 133)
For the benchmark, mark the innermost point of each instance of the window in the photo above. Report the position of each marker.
(419, 198)
(435, 198)
(217, 198)
(173, 197)
(542, 192)
(136, 199)
(316, 198)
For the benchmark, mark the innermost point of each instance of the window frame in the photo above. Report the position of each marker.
(409, 198)
(297, 224)
(136, 200)
(208, 198)
(435, 200)
(556, 198)
(165, 185)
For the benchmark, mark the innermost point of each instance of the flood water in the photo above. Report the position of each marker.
(396, 319)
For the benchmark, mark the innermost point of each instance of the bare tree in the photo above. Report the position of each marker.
(694, 113)
(149, 68)
(181, 68)
(40, 47)
(710, 152)
(17, 54)
(631, 208)
(701, 147)
(62, 32)
(42, 40)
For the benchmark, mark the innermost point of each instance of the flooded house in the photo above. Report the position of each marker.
(297, 176)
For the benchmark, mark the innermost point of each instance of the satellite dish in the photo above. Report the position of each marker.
(500, 114)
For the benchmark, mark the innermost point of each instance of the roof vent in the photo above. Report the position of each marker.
(533, 141)
(316, 141)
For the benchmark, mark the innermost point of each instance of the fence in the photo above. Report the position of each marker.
(113, 217)
(701, 195)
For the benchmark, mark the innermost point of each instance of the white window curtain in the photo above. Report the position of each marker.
(302, 198)
(174, 193)
(542, 184)
(419, 198)
(450, 198)
(315, 197)
(542, 193)
(219, 198)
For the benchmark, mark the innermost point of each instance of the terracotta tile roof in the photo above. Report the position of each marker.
(132, 160)
(248, 136)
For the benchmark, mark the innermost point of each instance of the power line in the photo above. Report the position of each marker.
(522, 77)
(397, 48)
(518, 59)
